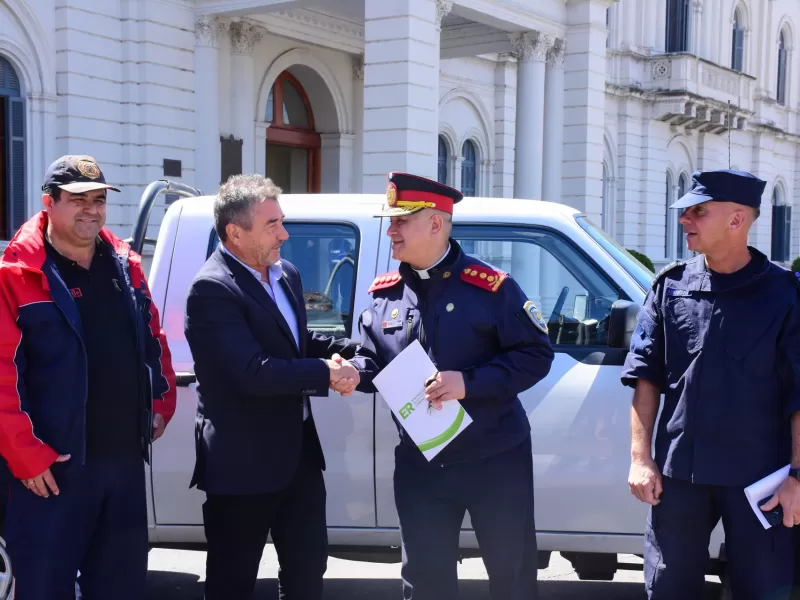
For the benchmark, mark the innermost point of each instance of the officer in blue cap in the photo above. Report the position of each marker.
(719, 337)
(489, 344)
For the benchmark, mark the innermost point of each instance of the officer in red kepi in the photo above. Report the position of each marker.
(85, 385)
(489, 344)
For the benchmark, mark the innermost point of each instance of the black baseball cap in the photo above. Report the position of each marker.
(726, 185)
(75, 174)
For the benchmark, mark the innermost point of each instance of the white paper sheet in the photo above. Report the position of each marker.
(402, 385)
(765, 488)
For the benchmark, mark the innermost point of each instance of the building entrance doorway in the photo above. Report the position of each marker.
(293, 145)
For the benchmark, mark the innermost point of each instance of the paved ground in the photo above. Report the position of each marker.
(178, 575)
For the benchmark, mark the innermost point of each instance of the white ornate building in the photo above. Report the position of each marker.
(607, 106)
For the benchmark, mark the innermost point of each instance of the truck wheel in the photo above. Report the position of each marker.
(594, 566)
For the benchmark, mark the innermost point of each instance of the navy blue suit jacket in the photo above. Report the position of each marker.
(252, 378)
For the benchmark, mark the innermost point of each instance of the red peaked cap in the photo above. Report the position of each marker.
(407, 194)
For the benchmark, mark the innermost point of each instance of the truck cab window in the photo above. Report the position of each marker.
(574, 296)
(326, 254)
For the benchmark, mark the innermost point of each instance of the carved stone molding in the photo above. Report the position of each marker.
(443, 8)
(531, 45)
(205, 31)
(244, 37)
(555, 56)
(358, 67)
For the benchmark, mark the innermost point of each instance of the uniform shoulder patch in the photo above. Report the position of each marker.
(535, 315)
(385, 281)
(484, 277)
(665, 270)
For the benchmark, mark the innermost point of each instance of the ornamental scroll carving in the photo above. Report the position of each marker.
(531, 45)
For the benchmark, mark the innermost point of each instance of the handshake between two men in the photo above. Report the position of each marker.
(344, 376)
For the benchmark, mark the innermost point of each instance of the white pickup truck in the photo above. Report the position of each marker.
(589, 290)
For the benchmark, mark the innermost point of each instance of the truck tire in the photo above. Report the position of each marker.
(592, 566)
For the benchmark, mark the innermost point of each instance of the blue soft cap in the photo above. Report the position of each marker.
(740, 187)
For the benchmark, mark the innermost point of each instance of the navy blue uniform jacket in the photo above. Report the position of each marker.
(474, 321)
(725, 351)
(251, 378)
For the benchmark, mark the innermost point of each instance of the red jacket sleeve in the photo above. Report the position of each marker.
(157, 354)
(27, 456)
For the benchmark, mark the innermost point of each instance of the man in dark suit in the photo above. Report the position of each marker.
(259, 458)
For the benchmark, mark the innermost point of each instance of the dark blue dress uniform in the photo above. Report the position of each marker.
(725, 351)
(474, 319)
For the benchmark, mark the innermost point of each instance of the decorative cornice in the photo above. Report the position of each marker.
(358, 67)
(443, 8)
(555, 55)
(244, 37)
(531, 45)
(205, 31)
(322, 21)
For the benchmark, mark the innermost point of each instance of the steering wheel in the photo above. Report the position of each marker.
(562, 297)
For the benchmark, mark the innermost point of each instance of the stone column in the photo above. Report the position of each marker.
(652, 36)
(698, 40)
(584, 103)
(243, 116)
(505, 102)
(553, 122)
(401, 89)
(358, 113)
(530, 49)
(206, 60)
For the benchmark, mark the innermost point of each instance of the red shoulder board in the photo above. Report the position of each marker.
(483, 277)
(384, 281)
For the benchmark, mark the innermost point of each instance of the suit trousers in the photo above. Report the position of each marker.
(237, 527)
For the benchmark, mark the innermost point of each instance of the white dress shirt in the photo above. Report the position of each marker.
(278, 294)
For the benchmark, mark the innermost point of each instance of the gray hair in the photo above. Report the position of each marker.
(236, 199)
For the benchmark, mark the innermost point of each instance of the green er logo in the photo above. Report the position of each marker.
(406, 410)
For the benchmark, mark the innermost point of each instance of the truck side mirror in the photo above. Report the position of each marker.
(622, 323)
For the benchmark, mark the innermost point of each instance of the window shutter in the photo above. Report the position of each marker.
(16, 162)
(779, 233)
(787, 233)
(781, 96)
(737, 61)
(231, 157)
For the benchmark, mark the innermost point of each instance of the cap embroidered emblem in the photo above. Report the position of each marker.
(88, 169)
(391, 195)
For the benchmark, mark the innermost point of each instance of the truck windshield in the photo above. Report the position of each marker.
(638, 271)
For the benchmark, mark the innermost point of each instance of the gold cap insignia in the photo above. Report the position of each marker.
(391, 195)
(88, 169)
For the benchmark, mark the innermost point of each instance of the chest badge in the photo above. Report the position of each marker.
(395, 312)
(450, 307)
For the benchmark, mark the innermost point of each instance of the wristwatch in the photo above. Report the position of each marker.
(794, 472)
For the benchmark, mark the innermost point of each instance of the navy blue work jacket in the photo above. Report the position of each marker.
(725, 351)
(473, 320)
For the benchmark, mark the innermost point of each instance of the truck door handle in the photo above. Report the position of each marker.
(185, 379)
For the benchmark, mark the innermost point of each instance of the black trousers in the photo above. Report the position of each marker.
(431, 503)
(677, 537)
(97, 526)
(237, 527)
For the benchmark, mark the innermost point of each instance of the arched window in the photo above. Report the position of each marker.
(293, 145)
(681, 249)
(12, 151)
(737, 45)
(442, 174)
(781, 226)
(468, 175)
(782, 58)
(677, 35)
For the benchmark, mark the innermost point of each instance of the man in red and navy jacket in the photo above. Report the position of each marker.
(86, 385)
